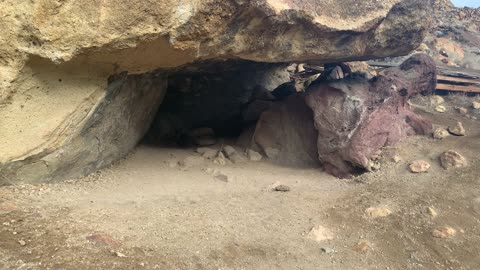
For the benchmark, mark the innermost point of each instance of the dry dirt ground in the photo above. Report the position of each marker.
(143, 214)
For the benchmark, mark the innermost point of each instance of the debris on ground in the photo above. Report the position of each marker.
(378, 212)
(419, 166)
(444, 232)
(457, 130)
(253, 155)
(362, 247)
(320, 234)
(440, 133)
(452, 159)
(282, 188)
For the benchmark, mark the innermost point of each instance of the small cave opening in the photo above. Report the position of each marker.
(236, 103)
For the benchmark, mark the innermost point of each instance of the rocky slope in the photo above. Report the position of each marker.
(62, 116)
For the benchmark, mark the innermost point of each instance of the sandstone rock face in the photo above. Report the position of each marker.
(56, 58)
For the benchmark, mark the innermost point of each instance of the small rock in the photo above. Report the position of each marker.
(436, 100)
(419, 166)
(103, 240)
(452, 159)
(229, 151)
(222, 177)
(282, 188)
(440, 109)
(377, 212)
(457, 130)
(320, 234)
(462, 110)
(119, 254)
(432, 212)
(476, 105)
(192, 161)
(327, 250)
(440, 133)
(237, 158)
(210, 154)
(22, 243)
(396, 158)
(362, 247)
(444, 232)
(220, 160)
(253, 155)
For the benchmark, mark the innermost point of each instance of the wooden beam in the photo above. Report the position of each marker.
(458, 88)
(456, 79)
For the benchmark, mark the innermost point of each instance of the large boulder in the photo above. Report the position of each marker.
(56, 58)
(355, 117)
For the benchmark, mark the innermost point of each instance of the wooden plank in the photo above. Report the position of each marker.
(458, 88)
(456, 79)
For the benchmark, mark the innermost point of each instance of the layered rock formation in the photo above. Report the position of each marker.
(61, 118)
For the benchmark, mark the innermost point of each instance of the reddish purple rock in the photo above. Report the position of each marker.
(355, 117)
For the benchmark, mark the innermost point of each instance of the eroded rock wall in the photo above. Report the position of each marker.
(56, 58)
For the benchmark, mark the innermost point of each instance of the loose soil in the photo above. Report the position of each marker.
(143, 213)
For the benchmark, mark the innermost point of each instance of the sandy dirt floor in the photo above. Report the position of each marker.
(143, 213)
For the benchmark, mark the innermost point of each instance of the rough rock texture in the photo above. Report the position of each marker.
(452, 159)
(355, 117)
(94, 135)
(286, 133)
(56, 58)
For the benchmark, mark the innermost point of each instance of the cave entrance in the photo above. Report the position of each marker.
(219, 104)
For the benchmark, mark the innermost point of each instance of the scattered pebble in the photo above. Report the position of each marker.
(440, 133)
(119, 254)
(440, 109)
(191, 161)
(362, 247)
(220, 160)
(419, 166)
(476, 105)
(452, 159)
(462, 110)
(457, 130)
(210, 154)
(320, 234)
(377, 212)
(229, 151)
(22, 243)
(444, 232)
(432, 212)
(396, 158)
(222, 177)
(282, 188)
(327, 250)
(253, 155)
(104, 240)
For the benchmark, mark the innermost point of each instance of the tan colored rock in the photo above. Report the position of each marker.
(362, 247)
(462, 110)
(440, 133)
(419, 166)
(444, 232)
(440, 109)
(457, 130)
(476, 105)
(432, 212)
(436, 100)
(378, 212)
(452, 159)
(320, 234)
(253, 155)
(65, 114)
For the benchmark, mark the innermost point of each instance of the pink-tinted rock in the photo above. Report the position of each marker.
(355, 117)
